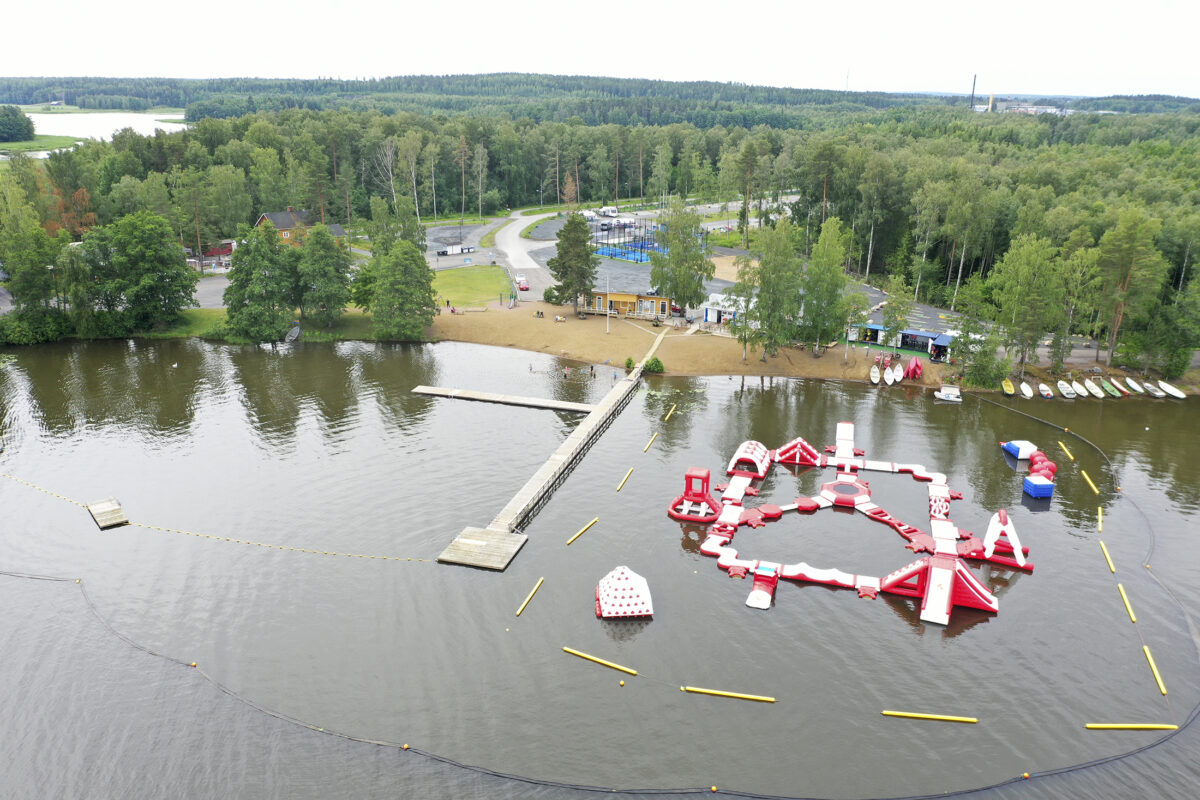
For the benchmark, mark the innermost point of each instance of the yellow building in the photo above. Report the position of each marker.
(629, 304)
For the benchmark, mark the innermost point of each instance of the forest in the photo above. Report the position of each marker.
(936, 195)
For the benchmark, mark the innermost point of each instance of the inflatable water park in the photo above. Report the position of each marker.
(939, 579)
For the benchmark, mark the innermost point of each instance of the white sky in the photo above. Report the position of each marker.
(1021, 46)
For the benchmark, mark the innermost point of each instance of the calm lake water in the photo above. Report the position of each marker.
(98, 125)
(313, 668)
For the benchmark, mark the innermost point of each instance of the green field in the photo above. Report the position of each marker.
(471, 286)
(37, 143)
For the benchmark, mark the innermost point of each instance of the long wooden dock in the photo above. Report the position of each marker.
(506, 399)
(495, 546)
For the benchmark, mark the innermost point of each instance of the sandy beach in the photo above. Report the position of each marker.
(697, 353)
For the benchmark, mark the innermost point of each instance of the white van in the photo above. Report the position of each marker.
(608, 211)
(589, 216)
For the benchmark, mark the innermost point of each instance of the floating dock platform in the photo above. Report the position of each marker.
(108, 513)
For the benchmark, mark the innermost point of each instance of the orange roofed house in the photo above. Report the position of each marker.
(294, 225)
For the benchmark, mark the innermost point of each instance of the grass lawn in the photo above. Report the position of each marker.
(39, 142)
(192, 322)
(471, 286)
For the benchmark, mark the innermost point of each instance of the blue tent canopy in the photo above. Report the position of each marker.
(943, 340)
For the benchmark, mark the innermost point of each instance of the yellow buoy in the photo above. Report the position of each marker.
(1129, 726)
(669, 413)
(621, 485)
(735, 695)
(935, 717)
(1154, 668)
(1089, 481)
(600, 661)
(652, 438)
(1100, 519)
(1111, 568)
(532, 592)
(1125, 599)
(583, 529)
(1065, 450)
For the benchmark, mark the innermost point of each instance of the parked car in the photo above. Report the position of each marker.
(521, 281)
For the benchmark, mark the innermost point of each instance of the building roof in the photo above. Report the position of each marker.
(291, 219)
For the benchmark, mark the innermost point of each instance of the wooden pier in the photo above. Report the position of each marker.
(495, 546)
(506, 399)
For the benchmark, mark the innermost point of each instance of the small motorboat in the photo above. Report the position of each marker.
(874, 373)
(948, 393)
(1132, 384)
(1092, 389)
(1109, 388)
(1045, 391)
(1026, 390)
(1178, 394)
(1065, 390)
(1007, 386)
(1153, 390)
(1080, 389)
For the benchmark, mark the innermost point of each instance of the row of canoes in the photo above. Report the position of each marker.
(1116, 386)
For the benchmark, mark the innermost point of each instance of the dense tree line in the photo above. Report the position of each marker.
(14, 126)
(936, 196)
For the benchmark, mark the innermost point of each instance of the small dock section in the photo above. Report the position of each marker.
(506, 399)
(495, 546)
(108, 513)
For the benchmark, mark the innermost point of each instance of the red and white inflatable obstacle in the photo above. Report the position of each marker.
(941, 579)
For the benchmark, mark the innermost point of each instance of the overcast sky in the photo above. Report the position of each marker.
(1021, 46)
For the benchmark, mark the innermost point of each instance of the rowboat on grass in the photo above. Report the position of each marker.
(1065, 390)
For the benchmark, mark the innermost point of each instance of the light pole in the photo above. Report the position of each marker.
(607, 303)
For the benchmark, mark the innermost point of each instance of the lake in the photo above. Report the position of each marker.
(297, 497)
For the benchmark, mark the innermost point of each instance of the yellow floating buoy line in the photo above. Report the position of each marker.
(583, 530)
(621, 485)
(1089, 481)
(1065, 450)
(669, 413)
(934, 717)
(600, 661)
(532, 592)
(1130, 726)
(288, 548)
(1154, 668)
(1107, 558)
(652, 438)
(1100, 519)
(41, 489)
(735, 695)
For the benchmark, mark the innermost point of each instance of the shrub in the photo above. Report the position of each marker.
(654, 365)
(551, 295)
(629, 363)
